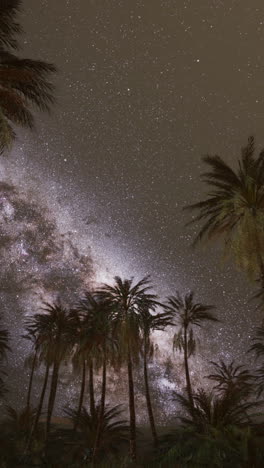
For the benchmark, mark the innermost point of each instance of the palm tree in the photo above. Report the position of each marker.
(98, 344)
(234, 208)
(230, 378)
(126, 301)
(55, 330)
(188, 314)
(23, 82)
(148, 324)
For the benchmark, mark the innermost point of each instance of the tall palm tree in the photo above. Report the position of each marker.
(55, 330)
(126, 300)
(148, 324)
(95, 340)
(234, 208)
(97, 343)
(188, 315)
(23, 82)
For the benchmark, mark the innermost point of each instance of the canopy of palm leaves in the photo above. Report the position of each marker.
(95, 335)
(9, 28)
(127, 300)
(55, 331)
(234, 207)
(23, 82)
(230, 378)
(187, 314)
(149, 323)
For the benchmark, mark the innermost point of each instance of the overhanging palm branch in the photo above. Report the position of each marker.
(234, 207)
(24, 83)
(9, 28)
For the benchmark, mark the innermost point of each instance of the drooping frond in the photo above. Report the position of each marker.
(234, 208)
(231, 377)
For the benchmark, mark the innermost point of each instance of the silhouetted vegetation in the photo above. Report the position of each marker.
(112, 327)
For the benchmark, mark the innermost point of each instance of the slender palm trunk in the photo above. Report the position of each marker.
(258, 254)
(31, 380)
(91, 389)
(81, 397)
(52, 396)
(148, 399)
(132, 413)
(187, 373)
(40, 405)
(101, 415)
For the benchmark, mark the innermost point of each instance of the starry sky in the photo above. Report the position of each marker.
(144, 89)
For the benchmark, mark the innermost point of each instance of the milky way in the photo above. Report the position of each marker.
(144, 89)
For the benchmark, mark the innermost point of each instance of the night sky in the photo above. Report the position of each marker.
(144, 89)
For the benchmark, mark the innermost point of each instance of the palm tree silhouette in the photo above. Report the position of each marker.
(55, 330)
(148, 324)
(97, 340)
(234, 208)
(23, 82)
(126, 301)
(188, 315)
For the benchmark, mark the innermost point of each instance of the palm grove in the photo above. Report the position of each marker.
(112, 326)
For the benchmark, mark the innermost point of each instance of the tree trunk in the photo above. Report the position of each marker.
(40, 405)
(259, 256)
(101, 415)
(91, 389)
(148, 399)
(31, 380)
(52, 396)
(81, 397)
(132, 413)
(187, 374)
